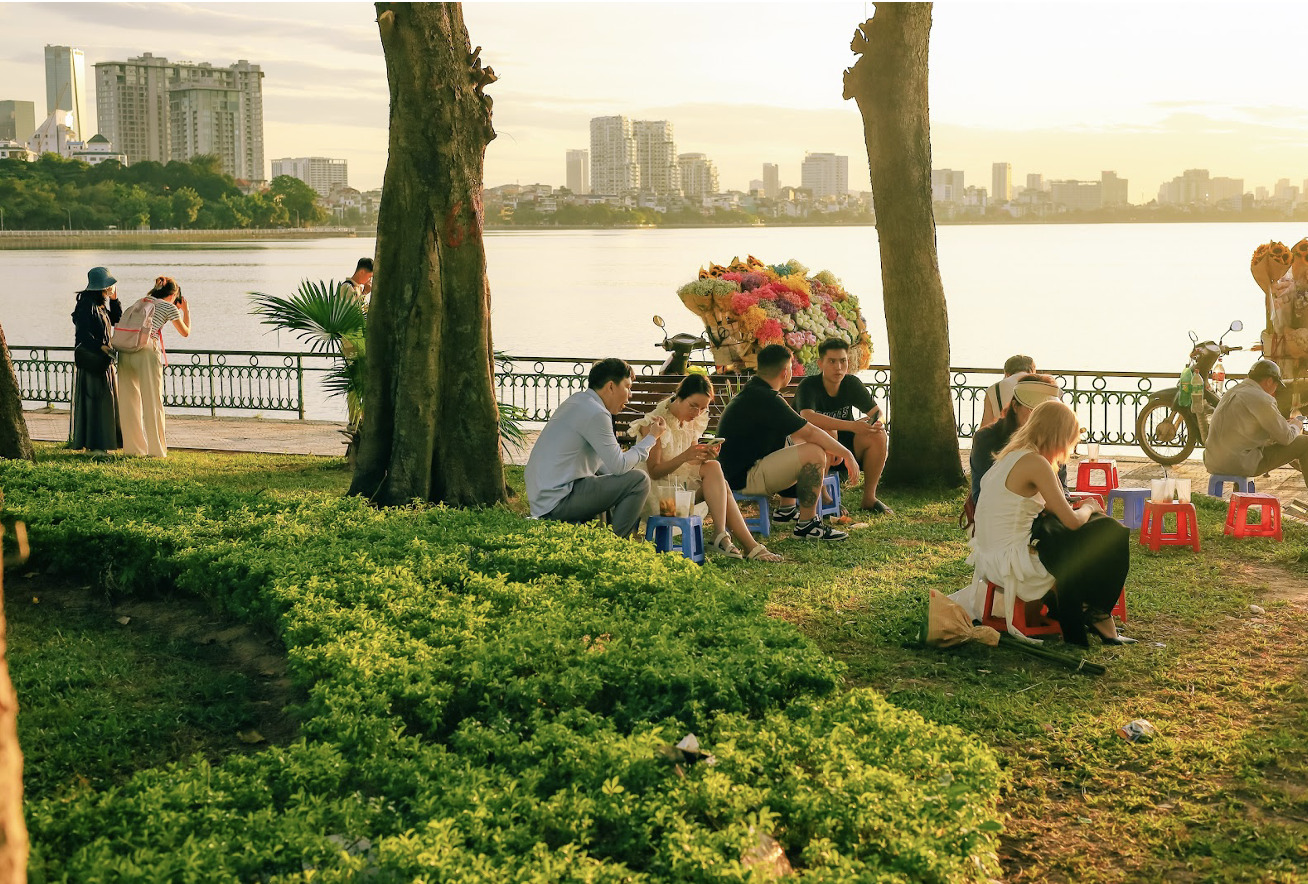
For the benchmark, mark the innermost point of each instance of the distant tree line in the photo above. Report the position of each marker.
(53, 193)
(605, 215)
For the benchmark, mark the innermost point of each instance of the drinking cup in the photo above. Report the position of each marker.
(685, 501)
(1092, 451)
(667, 499)
(1157, 490)
(1183, 490)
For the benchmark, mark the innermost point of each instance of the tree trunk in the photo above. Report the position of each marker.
(889, 83)
(15, 443)
(430, 422)
(13, 830)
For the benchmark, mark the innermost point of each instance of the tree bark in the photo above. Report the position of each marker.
(15, 443)
(430, 424)
(430, 421)
(889, 83)
(13, 830)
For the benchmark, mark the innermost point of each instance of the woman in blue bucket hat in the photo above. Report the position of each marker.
(95, 400)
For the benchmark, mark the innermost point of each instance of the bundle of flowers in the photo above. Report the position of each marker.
(747, 305)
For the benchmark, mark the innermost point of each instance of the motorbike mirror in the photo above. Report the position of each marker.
(658, 320)
(1194, 338)
(1237, 326)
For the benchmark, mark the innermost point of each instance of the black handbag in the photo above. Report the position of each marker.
(90, 360)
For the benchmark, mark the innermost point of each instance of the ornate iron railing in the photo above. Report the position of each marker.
(209, 380)
(249, 380)
(1106, 402)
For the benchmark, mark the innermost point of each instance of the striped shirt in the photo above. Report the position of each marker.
(164, 313)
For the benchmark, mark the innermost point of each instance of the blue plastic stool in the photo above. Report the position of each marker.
(831, 484)
(1243, 484)
(692, 535)
(1133, 501)
(762, 523)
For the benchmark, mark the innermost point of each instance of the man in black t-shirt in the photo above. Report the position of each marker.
(828, 401)
(755, 457)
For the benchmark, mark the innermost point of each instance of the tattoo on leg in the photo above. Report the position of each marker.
(807, 484)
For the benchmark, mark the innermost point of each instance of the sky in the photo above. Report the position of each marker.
(1062, 89)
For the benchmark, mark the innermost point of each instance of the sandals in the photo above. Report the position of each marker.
(761, 553)
(722, 543)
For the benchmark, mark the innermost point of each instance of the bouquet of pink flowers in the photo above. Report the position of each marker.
(747, 305)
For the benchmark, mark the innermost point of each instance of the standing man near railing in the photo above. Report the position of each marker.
(359, 285)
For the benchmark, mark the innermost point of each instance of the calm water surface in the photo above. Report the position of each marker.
(1112, 297)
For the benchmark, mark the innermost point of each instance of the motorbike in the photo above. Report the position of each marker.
(1168, 430)
(679, 348)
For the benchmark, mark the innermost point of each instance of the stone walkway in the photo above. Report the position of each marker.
(324, 438)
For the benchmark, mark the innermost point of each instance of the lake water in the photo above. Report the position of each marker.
(1112, 297)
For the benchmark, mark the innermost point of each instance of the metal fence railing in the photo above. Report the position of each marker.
(263, 381)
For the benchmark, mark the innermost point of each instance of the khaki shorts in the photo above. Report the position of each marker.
(776, 472)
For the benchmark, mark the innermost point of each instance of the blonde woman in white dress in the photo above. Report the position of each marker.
(679, 457)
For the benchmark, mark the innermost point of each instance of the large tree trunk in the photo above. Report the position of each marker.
(15, 443)
(430, 422)
(889, 82)
(13, 830)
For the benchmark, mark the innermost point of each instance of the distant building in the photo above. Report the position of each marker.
(65, 84)
(320, 173)
(54, 134)
(1077, 196)
(158, 110)
(699, 177)
(613, 166)
(771, 180)
(17, 121)
(1114, 190)
(757, 187)
(12, 150)
(1001, 182)
(1035, 182)
(947, 186)
(825, 174)
(95, 151)
(656, 154)
(578, 171)
(1196, 187)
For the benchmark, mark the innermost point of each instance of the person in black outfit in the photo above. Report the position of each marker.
(828, 400)
(95, 402)
(755, 457)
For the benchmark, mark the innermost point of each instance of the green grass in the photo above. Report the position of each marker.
(1219, 796)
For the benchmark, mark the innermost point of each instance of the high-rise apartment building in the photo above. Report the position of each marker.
(65, 85)
(578, 176)
(153, 109)
(1114, 189)
(1077, 196)
(947, 186)
(1001, 182)
(320, 173)
(825, 174)
(656, 154)
(771, 180)
(613, 166)
(699, 177)
(17, 120)
(1035, 182)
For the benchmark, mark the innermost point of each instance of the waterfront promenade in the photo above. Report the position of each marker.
(324, 438)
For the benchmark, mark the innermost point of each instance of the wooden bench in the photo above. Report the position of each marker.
(648, 391)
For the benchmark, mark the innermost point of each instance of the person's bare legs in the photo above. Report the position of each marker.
(723, 509)
(871, 450)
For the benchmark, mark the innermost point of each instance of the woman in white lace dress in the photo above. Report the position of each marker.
(679, 457)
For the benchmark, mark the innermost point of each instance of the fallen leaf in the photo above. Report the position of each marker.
(35, 600)
(124, 620)
(250, 736)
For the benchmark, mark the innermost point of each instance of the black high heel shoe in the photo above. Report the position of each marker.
(1092, 626)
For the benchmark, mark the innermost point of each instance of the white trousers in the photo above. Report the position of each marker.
(140, 402)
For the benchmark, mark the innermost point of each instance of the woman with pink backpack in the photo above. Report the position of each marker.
(138, 338)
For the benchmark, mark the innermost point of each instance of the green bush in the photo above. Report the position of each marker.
(492, 699)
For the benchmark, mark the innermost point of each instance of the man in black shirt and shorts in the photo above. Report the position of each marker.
(755, 457)
(828, 400)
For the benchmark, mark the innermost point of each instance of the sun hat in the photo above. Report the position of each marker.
(1264, 369)
(1031, 392)
(98, 279)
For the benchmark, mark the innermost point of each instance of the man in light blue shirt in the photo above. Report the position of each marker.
(577, 470)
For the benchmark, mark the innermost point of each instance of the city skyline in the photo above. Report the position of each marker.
(1026, 84)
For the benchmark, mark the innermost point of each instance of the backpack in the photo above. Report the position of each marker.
(133, 331)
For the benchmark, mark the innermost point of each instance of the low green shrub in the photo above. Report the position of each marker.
(492, 699)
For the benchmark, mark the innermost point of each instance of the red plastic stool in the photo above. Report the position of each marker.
(1078, 496)
(1119, 609)
(1154, 535)
(989, 618)
(1269, 516)
(1085, 476)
